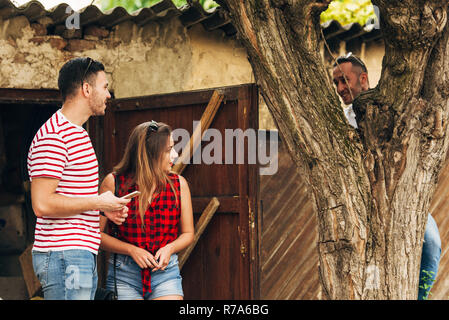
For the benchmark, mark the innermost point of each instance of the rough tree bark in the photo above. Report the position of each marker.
(371, 188)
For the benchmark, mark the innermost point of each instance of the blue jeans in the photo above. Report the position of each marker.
(430, 258)
(129, 282)
(67, 274)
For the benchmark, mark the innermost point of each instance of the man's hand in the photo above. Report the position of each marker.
(108, 202)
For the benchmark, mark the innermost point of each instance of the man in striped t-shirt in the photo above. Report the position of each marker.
(63, 170)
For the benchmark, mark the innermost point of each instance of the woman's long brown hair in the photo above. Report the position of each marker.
(142, 160)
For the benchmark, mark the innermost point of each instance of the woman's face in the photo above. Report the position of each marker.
(169, 155)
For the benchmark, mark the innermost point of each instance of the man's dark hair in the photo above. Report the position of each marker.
(353, 59)
(75, 72)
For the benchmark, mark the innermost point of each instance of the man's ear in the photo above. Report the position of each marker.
(85, 89)
(364, 80)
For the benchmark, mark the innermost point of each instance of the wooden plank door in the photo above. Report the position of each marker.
(224, 263)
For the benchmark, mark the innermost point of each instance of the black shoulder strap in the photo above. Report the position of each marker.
(116, 185)
(115, 231)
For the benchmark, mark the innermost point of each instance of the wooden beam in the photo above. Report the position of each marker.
(195, 139)
(31, 281)
(181, 164)
(30, 96)
(206, 216)
(173, 100)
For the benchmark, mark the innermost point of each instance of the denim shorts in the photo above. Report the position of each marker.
(67, 274)
(129, 281)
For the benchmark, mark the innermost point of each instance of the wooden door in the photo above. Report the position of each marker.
(224, 263)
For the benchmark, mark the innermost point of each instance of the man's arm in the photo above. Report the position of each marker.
(46, 202)
(108, 185)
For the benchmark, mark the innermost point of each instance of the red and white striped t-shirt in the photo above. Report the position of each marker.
(63, 150)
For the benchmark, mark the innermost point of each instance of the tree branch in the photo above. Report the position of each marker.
(410, 29)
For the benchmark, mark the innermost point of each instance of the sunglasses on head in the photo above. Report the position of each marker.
(87, 69)
(350, 56)
(152, 127)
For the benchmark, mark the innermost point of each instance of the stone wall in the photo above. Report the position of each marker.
(159, 57)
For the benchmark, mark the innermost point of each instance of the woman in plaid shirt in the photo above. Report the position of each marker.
(159, 222)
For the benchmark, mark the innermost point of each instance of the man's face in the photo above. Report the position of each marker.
(100, 94)
(356, 81)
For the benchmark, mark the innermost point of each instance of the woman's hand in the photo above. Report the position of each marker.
(142, 257)
(163, 256)
(119, 216)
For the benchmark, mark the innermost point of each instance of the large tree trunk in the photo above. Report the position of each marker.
(371, 187)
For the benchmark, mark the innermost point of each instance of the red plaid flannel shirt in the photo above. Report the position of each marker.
(161, 220)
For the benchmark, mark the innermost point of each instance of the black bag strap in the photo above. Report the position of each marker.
(115, 279)
(115, 233)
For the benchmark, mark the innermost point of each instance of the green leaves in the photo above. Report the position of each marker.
(427, 280)
(208, 4)
(133, 5)
(349, 11)
(344, 11)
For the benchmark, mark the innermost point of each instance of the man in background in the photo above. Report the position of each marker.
(350, 77)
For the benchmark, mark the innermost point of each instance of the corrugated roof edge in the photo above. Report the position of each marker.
(189, 15)
(334, 30)
(91, 14)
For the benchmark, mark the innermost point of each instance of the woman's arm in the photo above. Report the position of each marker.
(186, 226)
(108, 243)
(142, 257)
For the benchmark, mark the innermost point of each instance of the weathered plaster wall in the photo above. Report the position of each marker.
(156, 59)
(25, 63)
(217, 60)
(373, 55)
(160, 57)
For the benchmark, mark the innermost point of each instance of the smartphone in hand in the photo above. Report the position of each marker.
(131, 195)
